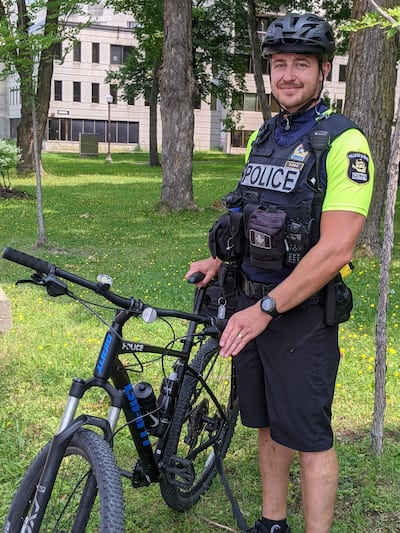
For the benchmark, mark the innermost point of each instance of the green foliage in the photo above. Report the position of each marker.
(102, 218)
(390, 23)
(9, 157)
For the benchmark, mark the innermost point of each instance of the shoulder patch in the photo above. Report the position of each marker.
(358, 170)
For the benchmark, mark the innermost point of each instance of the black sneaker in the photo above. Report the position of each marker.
(260, 528)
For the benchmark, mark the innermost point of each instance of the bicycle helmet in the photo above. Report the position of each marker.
(303, 34)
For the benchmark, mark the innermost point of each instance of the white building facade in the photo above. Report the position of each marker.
(79, 96)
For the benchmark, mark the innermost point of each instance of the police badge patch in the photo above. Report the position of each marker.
(358, 167)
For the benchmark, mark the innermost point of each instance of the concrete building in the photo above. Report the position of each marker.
(79, 96)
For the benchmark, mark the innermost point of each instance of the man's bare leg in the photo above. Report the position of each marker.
(274, 462)
(319, 481)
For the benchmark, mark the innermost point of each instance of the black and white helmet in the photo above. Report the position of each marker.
(303, 34)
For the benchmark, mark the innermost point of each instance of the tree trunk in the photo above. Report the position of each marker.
(369, 101)
(384, 285)
(177, 116)
(256, 54)
(155, 89)
(25, 135)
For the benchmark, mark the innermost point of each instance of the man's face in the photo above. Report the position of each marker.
(296, 79)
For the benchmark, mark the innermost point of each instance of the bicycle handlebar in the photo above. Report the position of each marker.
(43, 267)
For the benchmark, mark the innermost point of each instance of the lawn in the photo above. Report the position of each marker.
(102, 218)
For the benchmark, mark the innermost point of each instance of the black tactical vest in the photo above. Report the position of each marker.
(281, 193)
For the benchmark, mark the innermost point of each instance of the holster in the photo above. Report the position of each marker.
(338, 301)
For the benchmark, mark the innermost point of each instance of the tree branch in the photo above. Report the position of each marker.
(385, 15)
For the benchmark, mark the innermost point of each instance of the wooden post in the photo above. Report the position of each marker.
(5, 313)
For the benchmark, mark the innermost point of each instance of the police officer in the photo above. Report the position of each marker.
(311, 170)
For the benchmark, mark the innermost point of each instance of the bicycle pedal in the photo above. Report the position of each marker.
(180, 472)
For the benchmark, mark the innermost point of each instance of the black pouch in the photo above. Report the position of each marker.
(226, 238)
(338, 302)
(224, 294)
(266, 233)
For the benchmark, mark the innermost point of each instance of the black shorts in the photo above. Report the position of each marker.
(286, 378)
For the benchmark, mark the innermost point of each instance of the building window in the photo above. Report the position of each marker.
(114, 93)
(58, 90)
(119, 54)
(95, 93)
(342, 72)
(58, 51)
(14, 95)
(77, 51)
(77, 91)
(239, 138)
(65, 129)
(264, 65)
(95, 52)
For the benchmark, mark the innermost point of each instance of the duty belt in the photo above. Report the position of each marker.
(257, 290)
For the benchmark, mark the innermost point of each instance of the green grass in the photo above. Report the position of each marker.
(102, 218)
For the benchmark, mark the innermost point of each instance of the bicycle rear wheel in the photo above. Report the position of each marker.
(87, 493)
(198, 426)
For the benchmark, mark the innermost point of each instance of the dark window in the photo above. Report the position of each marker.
(77, 91)
(264, 65)
(342, 72)
(58, 90)
(65, 129)
(95, 93)
(77, 51)
(133, 132)
(237, 101)
(88, 126)
(76, 129)
(100, 129)
(239, 138)
(122, 132)
(114, 93)
(116, 54)
(58, 51)
(95, 52)
(53, 129)
(119, 53)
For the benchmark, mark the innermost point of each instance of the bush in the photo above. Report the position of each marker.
(9, 157)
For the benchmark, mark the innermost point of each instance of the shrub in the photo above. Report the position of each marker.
(9, 157)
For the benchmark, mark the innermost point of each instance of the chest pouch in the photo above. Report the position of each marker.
(266, 234)
(226, 238)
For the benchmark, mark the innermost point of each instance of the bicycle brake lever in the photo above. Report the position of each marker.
(36, 279)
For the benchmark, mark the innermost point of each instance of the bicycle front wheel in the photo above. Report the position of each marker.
(87, 493)
(199, 427)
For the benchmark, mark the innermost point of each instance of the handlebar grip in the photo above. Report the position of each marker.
(26, 260)
(196, 277)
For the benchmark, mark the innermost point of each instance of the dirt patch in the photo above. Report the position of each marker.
(9, 194)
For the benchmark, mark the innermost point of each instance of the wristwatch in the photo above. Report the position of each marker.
(268, 305)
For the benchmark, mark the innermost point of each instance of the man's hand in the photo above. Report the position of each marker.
(209, 267)
(242, 327)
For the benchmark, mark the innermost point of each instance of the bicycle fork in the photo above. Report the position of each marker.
(69, 425)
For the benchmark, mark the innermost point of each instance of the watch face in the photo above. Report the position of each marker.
(268, 305)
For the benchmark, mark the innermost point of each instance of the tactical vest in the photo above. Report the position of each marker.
(281, 192)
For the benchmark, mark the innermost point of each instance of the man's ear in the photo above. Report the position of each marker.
(326, 68)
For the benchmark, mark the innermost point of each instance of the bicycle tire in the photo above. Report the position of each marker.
(194, 416)
(87, 493)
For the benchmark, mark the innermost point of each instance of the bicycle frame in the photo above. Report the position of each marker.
(120, 392)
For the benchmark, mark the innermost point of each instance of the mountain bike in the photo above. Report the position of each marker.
(74, 483)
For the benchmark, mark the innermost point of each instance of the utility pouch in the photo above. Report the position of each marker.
(226, 238)
(338, 302)
(223, 295)
(266, 233)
